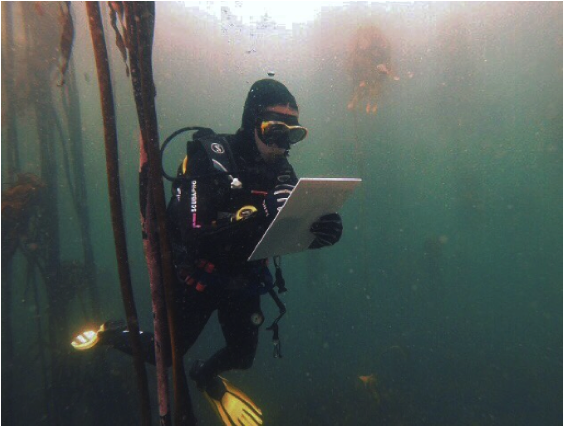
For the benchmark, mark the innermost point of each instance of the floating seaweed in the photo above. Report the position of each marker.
(370, 68)
(117, 13)
(373, 386)
(67, 38)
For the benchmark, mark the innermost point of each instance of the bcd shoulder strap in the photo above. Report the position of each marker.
(217, 149)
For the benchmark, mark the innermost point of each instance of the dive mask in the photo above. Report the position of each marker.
(273, 130)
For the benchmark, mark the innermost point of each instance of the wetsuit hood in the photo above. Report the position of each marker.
(263, 93)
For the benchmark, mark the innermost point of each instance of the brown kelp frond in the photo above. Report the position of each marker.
(19, 203)
(116, 12)
(21, 197)
(110, 143)
(67, 38)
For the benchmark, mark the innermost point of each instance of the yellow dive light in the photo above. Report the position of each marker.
(85, 340)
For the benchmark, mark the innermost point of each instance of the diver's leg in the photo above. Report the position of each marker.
(193, 309)
(240, 321)
(118, 337)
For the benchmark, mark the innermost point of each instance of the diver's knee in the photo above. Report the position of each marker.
(245, 360)
(246, 363)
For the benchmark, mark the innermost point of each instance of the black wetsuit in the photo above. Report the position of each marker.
(200, 229)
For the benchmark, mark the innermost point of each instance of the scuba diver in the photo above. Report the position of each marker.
(227, 191)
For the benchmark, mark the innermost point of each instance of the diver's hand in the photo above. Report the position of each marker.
(276, 198)
(327, 230)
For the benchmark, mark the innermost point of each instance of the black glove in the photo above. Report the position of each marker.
(275, 199)
(327, 230)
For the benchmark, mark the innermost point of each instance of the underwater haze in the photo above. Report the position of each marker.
(441, 304)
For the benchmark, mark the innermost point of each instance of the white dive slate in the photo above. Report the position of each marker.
(310, 199)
